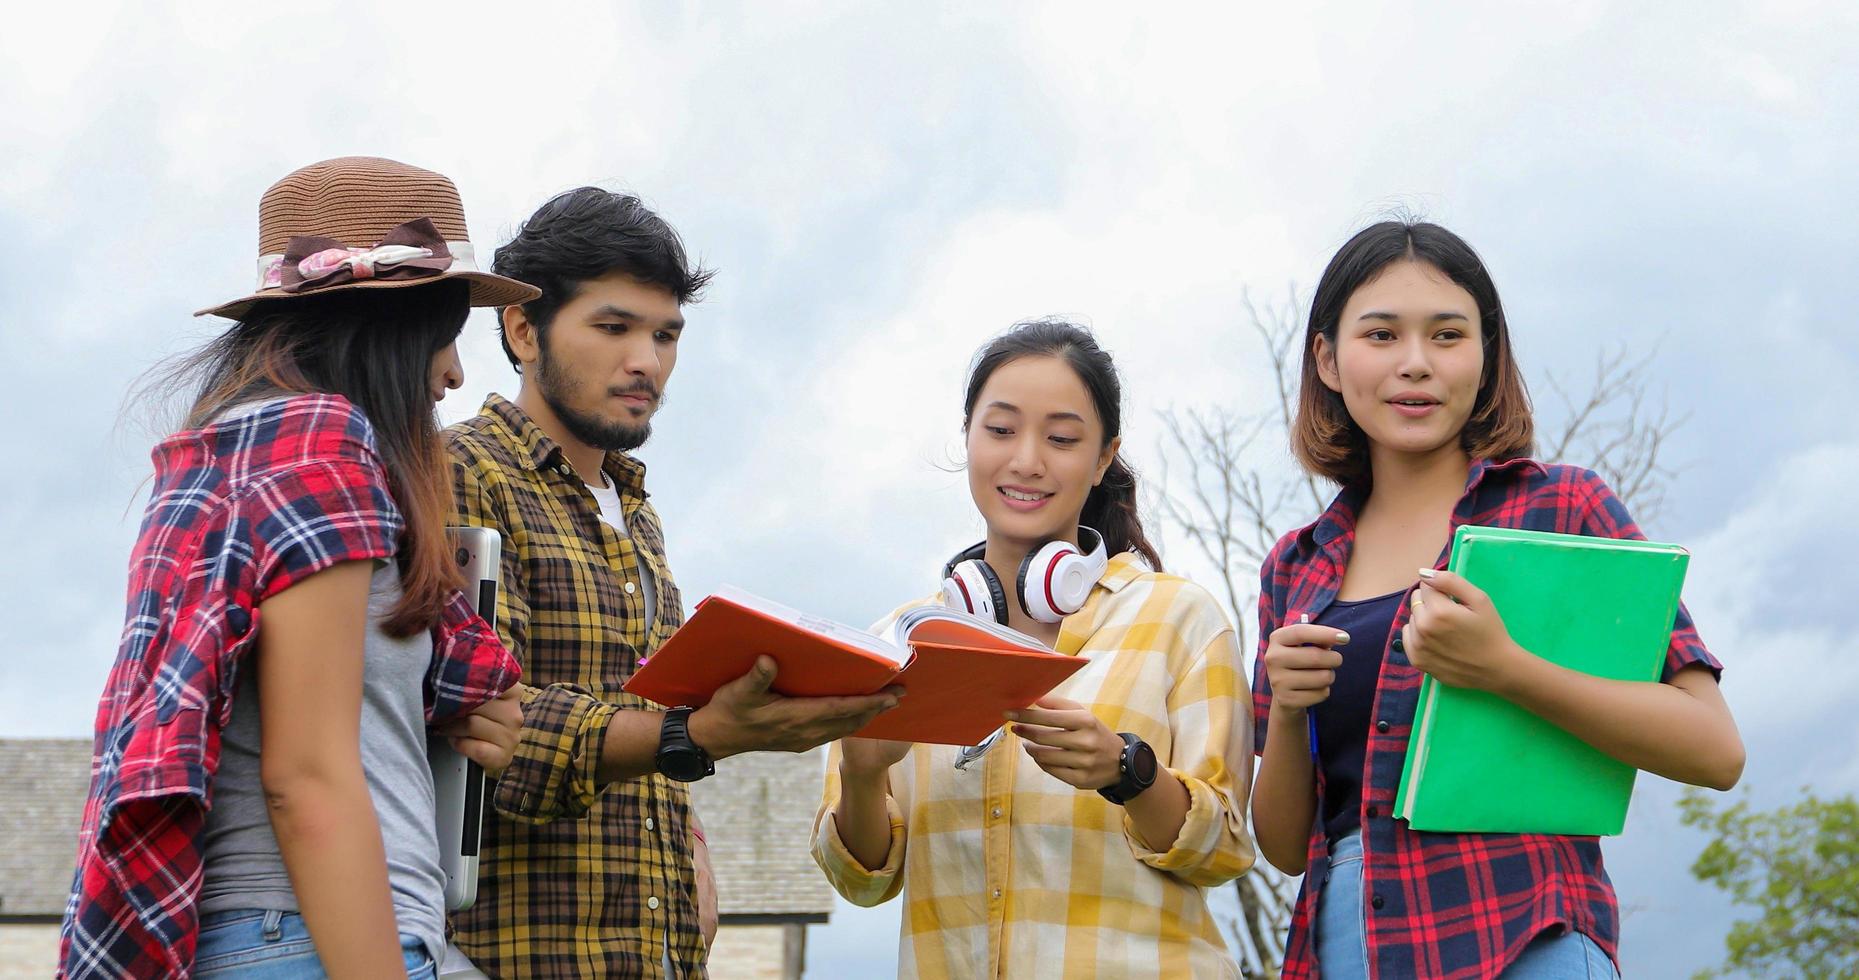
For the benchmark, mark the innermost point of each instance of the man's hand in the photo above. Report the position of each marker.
(746, 716)
(1456, 634)
(1069, 742)
(488, 735)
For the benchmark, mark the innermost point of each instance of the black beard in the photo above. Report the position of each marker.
(556, 388)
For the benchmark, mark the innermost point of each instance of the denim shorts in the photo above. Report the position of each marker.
(1342, 932)
(276, 946)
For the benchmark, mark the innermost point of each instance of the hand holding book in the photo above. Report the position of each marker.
(1477, 759)
(960, 672)
(746, 715)
(1456, 635)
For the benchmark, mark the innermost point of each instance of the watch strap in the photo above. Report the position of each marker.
(675, 746)
(1128, 784)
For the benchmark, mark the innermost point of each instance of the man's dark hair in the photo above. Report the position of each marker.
(587, 233)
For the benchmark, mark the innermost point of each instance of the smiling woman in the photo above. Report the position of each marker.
(1123, 802)
(1412, 401)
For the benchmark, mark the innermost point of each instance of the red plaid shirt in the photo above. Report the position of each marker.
(1457, 906)
(240, 510)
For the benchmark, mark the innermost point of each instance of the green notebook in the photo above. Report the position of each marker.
(1478, 763)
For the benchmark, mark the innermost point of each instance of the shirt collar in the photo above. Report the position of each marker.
(1120, 571)
(1340, 517)
(1076, 629)
(543, 453)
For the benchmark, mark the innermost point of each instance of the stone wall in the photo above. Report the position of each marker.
(28, 952)
(755, 952)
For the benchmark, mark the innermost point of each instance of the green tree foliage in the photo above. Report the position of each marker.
(1798, 867)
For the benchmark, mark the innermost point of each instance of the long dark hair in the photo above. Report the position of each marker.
(373, 347)
(1110, 508)
(1323, 436)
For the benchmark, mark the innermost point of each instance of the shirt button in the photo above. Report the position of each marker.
(1397, 646)
(1372, 814)
(1375, 901)
(997, 811)
(1382, 726)
(652, 903)
(631, 588)
(650, 824)
(997, 893)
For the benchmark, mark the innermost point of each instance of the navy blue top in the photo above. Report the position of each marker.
(1343, 719)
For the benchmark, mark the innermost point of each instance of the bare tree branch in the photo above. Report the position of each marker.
(1618, 431)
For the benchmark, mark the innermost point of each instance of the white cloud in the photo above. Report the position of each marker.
(1770, 588)
(885, 189)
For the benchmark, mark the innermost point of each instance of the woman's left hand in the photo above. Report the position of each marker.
(1456, 635)
(1069, 742)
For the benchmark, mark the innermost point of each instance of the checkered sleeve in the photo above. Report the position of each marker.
(1211, 728)
(1604, 515)
(313, 515)
(858, 884)
(551, 776)
(469, 665)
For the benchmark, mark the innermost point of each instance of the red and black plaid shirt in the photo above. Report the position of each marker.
(1457, 906)
(241, 509)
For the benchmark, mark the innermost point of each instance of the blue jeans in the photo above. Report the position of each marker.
(1342, 933)
(276, 946)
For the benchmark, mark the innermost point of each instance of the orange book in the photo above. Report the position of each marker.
(959, 673)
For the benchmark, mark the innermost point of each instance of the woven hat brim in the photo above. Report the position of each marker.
(487, 289)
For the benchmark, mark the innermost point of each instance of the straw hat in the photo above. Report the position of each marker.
(365, 223)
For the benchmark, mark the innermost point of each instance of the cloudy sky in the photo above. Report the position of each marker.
(883, 190)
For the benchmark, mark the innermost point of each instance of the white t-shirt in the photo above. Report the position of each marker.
(608, 499)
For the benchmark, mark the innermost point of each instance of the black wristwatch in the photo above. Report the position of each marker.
(1137, 769)
(680, 758)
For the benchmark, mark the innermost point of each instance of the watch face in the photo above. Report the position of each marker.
(1142, 763)
(684, 765)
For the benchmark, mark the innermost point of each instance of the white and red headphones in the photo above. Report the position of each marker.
(1054, 581)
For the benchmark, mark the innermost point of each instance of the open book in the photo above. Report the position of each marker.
(959, 673)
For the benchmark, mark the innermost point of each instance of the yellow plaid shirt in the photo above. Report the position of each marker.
(574, 880)
(1008, 872)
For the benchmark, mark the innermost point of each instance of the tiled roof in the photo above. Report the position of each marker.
(43, 782)
(757, 813)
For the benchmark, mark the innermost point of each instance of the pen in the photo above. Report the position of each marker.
(1310, 713)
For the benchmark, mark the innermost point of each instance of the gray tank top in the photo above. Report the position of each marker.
(243, 869)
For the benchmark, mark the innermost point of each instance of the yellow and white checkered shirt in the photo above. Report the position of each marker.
(1008, 872)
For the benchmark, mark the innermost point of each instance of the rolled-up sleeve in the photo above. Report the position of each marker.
(551, 775)
(1210, 724)
(856, 883)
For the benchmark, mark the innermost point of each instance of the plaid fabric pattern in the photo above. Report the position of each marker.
(1457, 906)
(240, 511)
(1008, 872)
(575, 879)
